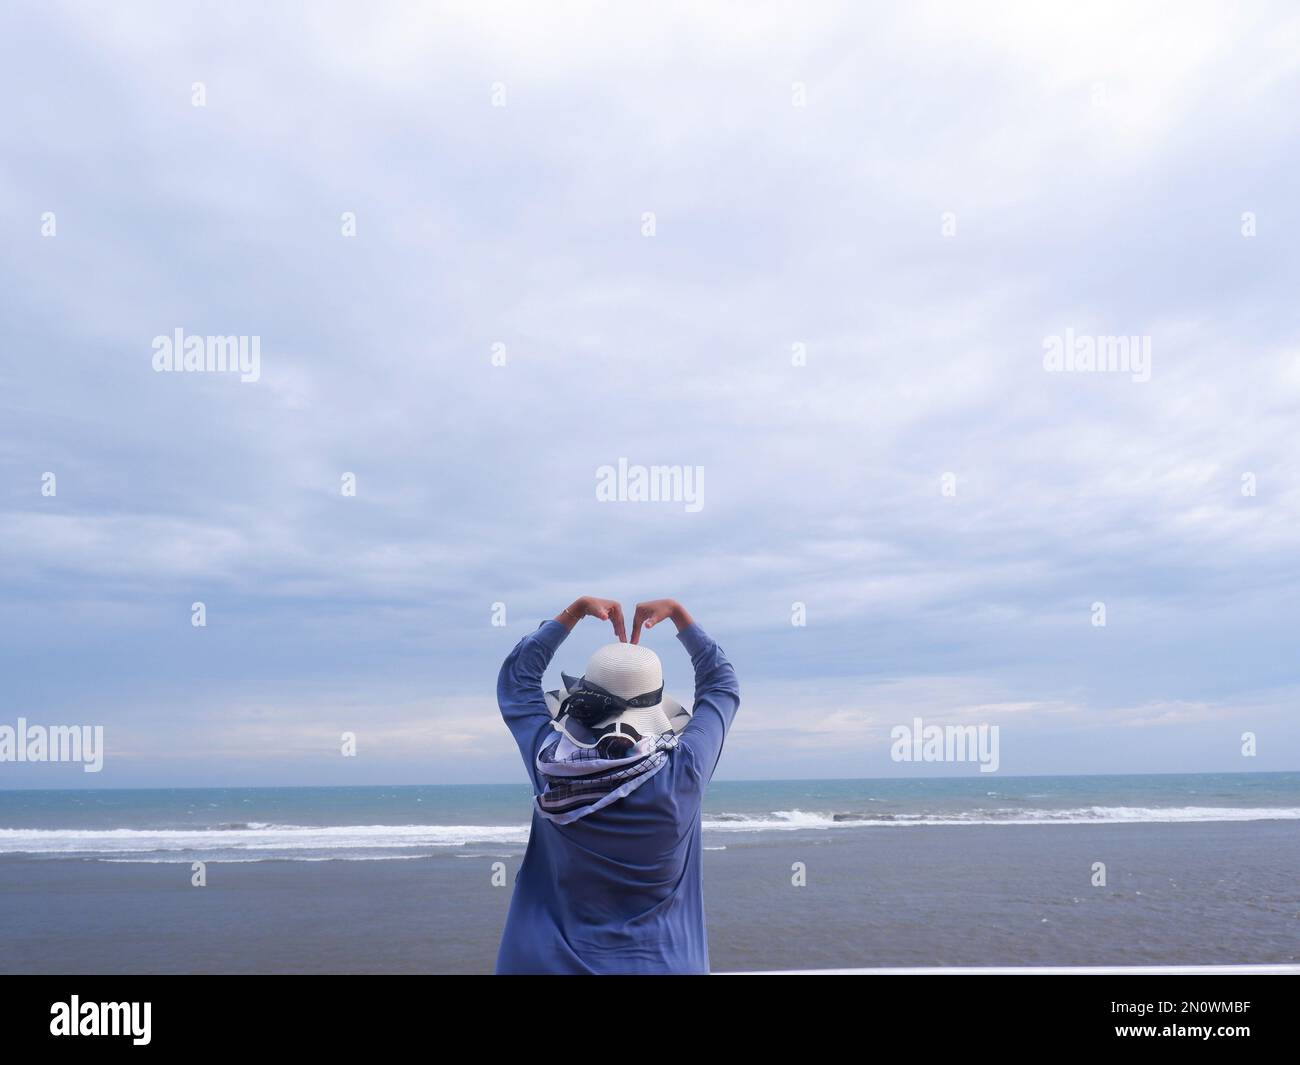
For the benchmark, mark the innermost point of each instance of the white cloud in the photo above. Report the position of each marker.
(777, 225)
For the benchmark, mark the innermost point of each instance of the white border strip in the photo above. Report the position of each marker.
(1048, 970)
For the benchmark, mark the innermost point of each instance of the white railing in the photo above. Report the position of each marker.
(1281, 969)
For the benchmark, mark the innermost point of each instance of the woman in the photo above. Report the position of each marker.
(611, 881)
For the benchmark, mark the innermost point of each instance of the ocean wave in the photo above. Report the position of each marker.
(263, 841)
(254, 861)
(264, 837)
(788, 820)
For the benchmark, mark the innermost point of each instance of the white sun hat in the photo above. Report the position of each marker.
(629, 672)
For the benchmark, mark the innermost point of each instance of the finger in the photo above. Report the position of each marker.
(616, 616)
(636, 625)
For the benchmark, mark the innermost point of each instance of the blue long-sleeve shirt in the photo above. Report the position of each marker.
(620, 890)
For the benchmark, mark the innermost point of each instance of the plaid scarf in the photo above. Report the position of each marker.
(581, 780)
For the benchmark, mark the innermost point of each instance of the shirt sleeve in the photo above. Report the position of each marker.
(519, 690)
(717, 697)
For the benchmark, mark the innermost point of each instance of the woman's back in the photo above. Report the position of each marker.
(619, 888)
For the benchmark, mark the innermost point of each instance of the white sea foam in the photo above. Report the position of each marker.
(260, 841)
(788, 820)
(264, 837)
(253, 861)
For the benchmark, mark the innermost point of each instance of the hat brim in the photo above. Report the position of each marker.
(646, 720)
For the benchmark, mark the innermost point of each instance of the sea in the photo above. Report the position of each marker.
(1067, 870)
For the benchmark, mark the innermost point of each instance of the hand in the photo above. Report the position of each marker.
(653, 611)
(590, 607)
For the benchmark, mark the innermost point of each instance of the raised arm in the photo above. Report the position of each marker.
(519, 684)
(588, 606)
(717, 692)
(653, 611)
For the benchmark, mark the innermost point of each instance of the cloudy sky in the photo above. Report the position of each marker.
(910, 197)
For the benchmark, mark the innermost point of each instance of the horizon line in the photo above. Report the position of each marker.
(741, 780)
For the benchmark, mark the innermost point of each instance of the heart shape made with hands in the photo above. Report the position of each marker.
(648, 614)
